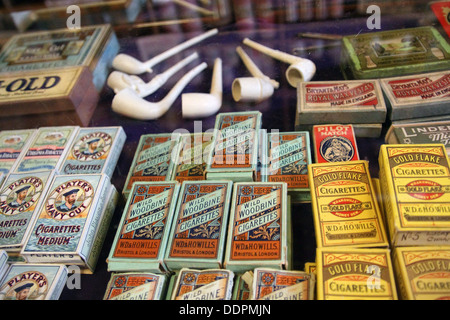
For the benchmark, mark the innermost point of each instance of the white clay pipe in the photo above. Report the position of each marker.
(200, 105)
(256, 88)
(300, 69)
(118, 80)
(129, 104)
(130, 65)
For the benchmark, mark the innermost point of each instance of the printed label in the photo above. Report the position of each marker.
(349, 276)
(11, 144)
(145, 221)
(340, 94)
(133, 287)
(282, 285)
(345, 205)
(429, 87)
(424, 133)
(203, 285)
(288, 159)
(235, 142)
(257, 223)
(199, 221)
(335, 143)
(31, 285)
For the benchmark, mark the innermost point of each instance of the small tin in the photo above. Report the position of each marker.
(259, 229)
(422, 272)
(207, 284)
(47, 150)
(92, 46)
(414, 180)
(234, 155)
(154, 159)
(198, 232)
(94, 150)
(334, 143)
(417, 96)
(33, 282)
(136, 286)
(345, 206)
(194, 151)
(270, 284)
(420, 133)
(12, 144)
(289, 155)
(143, 232)
(327, 102)
(40, 98)
(72, 231)
(394, 53)
(355, 274)
(21, 198)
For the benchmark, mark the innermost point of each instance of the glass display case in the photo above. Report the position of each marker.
(327, 34)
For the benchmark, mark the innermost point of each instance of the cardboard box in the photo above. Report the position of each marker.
(94, 150)
(72, 232)
(198, 233)
(417, 96)
(154, 159)
(33, 282)
(259, 231)
(21, 198)
(422, 273)
(289, 155)
(208, 284)
(394, 53)
(136, 286)
(414, 180)
(345, 206)
(420, 133)
(47, 149)
(355, 274)
(234, 155)
(334, 143)
(40, 98)
(361, 130)
(328, 102)
(142, 236)
(12, 144)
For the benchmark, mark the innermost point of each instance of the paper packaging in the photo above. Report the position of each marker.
(345, 206)
(12, 144)
(154, 159)
(417, 96)
(420, 133)
(194, 151)
(33, 282)
(92, 46)
(142, 236)
(414, 180)
(198, 232)
(422, 273)
(72, 236)
(39, 98)
(269, 284)
(136, 286)
(234, 155)
(289, 155)
(47, 150)
(208, 284)
(355, 274)
(242, 286)
(94, 150)
(362, 130)
(21, 198)
(3, 263)
(394, 53)
(259, 228)
(334, 143)
(328, 102)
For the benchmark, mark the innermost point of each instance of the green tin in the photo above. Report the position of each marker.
(394, 53)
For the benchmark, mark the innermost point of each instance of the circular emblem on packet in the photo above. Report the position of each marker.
(424, 190)
(69, 199)
(20, 195)
(336, 149)
(92, 146)
(31, 285)
(345, 207)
